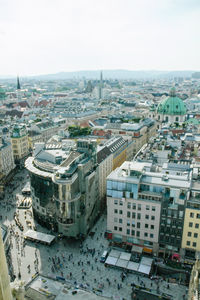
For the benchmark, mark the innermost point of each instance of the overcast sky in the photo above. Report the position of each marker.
(48, 36)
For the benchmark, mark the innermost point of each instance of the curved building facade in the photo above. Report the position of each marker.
(64, 187)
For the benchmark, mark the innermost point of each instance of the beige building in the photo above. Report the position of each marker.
(191, 232)
(191, 229)
(19, 140)
(110, 156)
(5, 291)
(6, 157)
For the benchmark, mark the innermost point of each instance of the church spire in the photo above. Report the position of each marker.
(18, 84)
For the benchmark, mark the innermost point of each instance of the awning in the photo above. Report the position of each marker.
(147, 250)
(176, 256)
(136, 249)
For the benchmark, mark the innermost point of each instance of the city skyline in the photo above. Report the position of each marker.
(49, 37)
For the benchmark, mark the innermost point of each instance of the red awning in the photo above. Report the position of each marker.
(176, 256)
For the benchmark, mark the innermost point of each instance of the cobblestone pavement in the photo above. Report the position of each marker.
(69, 259)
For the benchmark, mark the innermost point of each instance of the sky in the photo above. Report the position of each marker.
(50, 36)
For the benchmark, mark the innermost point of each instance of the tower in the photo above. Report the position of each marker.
(5, 291)
(101, 86)
(18, 90)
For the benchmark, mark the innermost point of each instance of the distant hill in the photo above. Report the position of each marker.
(109, 74)
(196, 75)
(116, 74)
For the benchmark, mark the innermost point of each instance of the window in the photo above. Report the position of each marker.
(146, 225)
(152, 226)
(132, 232)
(127, 231)
(146, 234)
(128, 223)
(115, 219)
(120, 228)
(120, 202)
(138, 225)
(147, 207)
(139, 206)
(138, 234)
(194, 244)
(139, 216)
(147, 217)
(120, 221)
(153, 218)
(168, 221)
(133, 215)
(195, 235)
(190, 224)
(191, 215)
(128, 214)
(151, 235)
(188, 243)
(133, 206)
(115, 227)
(153, 208)
(181, 214)
(120, 212)
(116, 211)
(115, 201)
(129, 205)
(196, 225)
(198, 216)
(189, 233)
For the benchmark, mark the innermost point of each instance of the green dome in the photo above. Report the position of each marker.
(172, 105)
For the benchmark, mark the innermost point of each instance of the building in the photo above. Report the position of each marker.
(191, 229)
(64, 187)
(133, 215)
(45, 288)
(146, 205)
(19, 140)
(46, 129)
(193, 293)
(5, 291)
(105, 166)
(140, 133)
(6, 157)
(171, 110)
(118, 148)
(34, 137)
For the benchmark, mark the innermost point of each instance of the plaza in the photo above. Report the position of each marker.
(75, 261)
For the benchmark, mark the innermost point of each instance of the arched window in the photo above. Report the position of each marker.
(177, 119)
(166, 119)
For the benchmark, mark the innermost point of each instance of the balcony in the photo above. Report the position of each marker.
(147, 195)
(66, 221)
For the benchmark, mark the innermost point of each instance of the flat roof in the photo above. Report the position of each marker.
(30, 167)
(39, 236)
(144, 269)
(122, 263)
(146, 261)
(111, 260)
(125, 256)
(45, 288)
(115, 253)
(133, 266)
